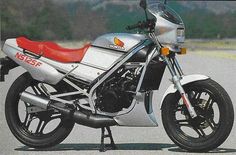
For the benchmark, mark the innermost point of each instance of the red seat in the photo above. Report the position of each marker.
(52, 50)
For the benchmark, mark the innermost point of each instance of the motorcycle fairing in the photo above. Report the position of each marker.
(140, 115)
(185, 80)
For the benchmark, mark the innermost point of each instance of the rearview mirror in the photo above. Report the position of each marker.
(143, 4)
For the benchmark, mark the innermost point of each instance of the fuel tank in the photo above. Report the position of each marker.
(119, 41)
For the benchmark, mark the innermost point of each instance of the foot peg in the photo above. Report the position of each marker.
(110, 146)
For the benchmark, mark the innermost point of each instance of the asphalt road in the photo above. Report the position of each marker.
(220, 66)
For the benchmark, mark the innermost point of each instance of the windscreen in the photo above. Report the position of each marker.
(157, 8)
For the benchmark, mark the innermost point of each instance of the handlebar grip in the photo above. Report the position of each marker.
(142, 25)
(131, 27)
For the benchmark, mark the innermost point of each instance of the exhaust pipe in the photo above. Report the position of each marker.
(87, 119)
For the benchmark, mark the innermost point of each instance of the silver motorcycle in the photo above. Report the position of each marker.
(110, 82)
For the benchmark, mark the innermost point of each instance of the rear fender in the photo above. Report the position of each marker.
(185, 80)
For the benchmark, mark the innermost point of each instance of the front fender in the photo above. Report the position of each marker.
(185, 80)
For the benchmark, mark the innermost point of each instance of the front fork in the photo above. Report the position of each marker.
(177, 74)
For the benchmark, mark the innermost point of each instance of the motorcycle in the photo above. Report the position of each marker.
(110, 82)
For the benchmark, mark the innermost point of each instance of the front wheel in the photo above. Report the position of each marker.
(213, 124)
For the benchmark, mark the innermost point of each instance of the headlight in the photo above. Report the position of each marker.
(180, 35)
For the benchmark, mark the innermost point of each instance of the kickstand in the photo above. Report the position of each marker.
(110, 146)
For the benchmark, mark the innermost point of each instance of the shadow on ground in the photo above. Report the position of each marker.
(90, 146)
(124, 146)
(217, 150)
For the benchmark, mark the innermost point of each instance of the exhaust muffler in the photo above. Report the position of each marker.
(35, 100)
(87, 119)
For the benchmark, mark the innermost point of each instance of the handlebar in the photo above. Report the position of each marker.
(142, 25)
(134, 26)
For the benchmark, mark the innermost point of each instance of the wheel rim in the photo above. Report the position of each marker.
(40, 124)
(208, 110)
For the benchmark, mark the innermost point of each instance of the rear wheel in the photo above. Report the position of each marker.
(40, 128)
(213, 124)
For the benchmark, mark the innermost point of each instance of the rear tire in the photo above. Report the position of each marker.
(211, 128)
(21, 129)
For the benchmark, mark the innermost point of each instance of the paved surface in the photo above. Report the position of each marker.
(134, 141)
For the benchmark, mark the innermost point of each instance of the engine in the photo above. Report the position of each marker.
(117, 92)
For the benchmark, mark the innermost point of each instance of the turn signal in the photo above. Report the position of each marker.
(183, 51)
(165, 51)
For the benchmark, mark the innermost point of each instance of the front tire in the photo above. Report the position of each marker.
(40, 129)
(213, 124)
